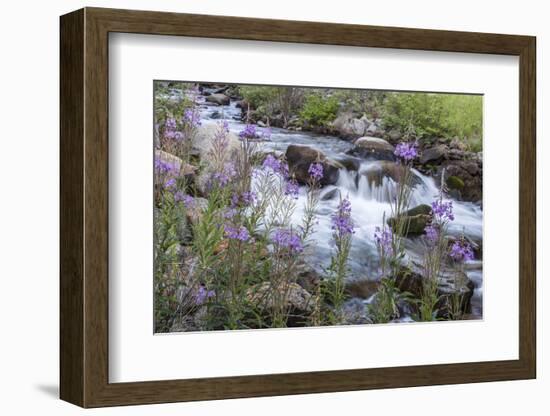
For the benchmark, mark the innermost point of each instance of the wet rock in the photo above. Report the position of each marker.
(354, 312)
(413, 224)
(422, 209)
(376, 174)
(219, 99)
(350, 163)
(330, 195)
(451, 284)
(363, 288)
(373, 148)
(300, 158)
(469, 173)
(216, 115)
(434, 154)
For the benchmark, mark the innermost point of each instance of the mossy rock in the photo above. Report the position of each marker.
(423, 209)
(454, 182)
(415, 224)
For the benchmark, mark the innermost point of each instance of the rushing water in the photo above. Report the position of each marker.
(370, 203)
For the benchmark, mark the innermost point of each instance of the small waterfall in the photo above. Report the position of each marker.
(370, 189)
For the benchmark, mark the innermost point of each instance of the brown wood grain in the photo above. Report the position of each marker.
(84, 207)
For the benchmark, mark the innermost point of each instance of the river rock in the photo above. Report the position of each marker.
(350, 127)
(413, 283)
(373, 148)
(363, 289)
(202, 142)
(183, 168)
(434, 154)
(467, 176)
(330, 195)
(414, 224)
(350, 163)
(300, 158)
(385, 169)
(219, 99)
(264, 296)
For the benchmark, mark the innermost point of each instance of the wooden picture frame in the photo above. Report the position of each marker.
(84, 207)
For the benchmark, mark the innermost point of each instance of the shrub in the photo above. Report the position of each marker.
(427, 115)
(319, 110)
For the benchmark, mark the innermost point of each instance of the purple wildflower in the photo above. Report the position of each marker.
(170, 184)
(276, 165)
(443, 211)
(286, 239)
(461, 251)
(432, 234)
(187, 200)
(245, 199)
(163, 167)
(170, 124)
(292, 189)
(222, 178)
(342, 223)
(203, 295)
(316, 171)
(229, 213)
(178, 135)
(406, 151)
(249, 132)
(236, 233)
(384, 240)
(192, 118)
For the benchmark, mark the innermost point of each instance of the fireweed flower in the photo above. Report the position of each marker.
(384, 240)
(316, 171)
(443, 211)
(406, 151)
(170, 124)
(286, 239)
(432, 234)
(249, 132)
(222, 178)
(170, 184)
(236, 233)
(244, 199)
(342, 223)
(276, 165)
(163, 167)
(203, 295)
(188, 201)
(191, 117)
(292, 189)
(229, 213)
(461, 251)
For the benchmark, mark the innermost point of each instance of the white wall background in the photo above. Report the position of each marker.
(29, 159)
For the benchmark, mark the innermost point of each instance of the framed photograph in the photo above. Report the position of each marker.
(257, 207)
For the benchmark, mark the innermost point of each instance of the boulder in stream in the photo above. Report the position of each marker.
(219, 99)
(372, 148)
(300, 158)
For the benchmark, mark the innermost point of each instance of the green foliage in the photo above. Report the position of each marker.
(319, 110)
(166, 107)
(426, 115)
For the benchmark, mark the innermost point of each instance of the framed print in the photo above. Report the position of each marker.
(261, 207)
